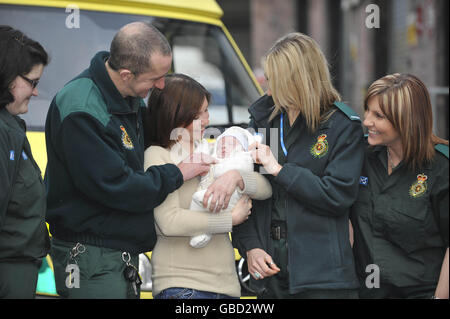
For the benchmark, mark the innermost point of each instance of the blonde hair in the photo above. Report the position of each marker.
(299, 79)
(405, 102)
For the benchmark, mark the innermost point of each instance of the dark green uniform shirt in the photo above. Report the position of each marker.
(401, 221)
(23, 233)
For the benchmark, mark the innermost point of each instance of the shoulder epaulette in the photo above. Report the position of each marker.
(347, 110)
(442, 148)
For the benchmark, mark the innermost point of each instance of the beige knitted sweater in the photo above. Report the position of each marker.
(174, 262)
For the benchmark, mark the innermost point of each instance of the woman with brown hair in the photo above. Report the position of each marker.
(400, 219)
(176, 120)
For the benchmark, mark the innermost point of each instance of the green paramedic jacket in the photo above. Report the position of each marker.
(23, 233)
(98, 191)
(320, 179)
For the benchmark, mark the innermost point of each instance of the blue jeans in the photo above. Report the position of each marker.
(187, 293)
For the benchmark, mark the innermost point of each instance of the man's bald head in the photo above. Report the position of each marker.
(133, 46)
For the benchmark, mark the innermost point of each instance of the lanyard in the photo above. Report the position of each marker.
(281, 136)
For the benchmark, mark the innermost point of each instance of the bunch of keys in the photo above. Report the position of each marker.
(131, 273)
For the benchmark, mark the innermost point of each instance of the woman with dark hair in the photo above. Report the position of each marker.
(23, 233)
(177, 118)
(400, 218)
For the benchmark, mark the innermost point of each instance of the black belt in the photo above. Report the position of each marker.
(278, 230)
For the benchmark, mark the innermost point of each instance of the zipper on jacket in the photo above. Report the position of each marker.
(287, 242)
(138, 127)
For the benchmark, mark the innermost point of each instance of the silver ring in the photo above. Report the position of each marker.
(257, 275)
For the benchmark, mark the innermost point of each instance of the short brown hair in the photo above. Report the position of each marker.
(133, 46)
(405, 101)
(177, 105)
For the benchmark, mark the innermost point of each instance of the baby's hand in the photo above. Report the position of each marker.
(257, 137)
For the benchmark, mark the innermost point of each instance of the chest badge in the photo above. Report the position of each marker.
(126, 140)
(319, 149)
(363, 180)
(419, 187)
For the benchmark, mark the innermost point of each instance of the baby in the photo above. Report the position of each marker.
(231, 151)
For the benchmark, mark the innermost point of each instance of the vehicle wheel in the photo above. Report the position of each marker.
(243, 275)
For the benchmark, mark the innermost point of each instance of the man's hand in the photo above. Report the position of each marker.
(222, 189)
(196, 164)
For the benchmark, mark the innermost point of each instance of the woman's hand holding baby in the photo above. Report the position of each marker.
(222, 189)
(241, 211)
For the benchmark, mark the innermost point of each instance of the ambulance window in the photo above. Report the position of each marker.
(191, 60)
(204, 53)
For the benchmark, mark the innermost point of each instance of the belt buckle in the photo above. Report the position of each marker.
(276, 232)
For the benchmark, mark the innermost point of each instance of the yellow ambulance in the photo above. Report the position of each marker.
(73, 31)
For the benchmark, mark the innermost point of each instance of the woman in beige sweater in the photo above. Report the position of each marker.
(179, 270)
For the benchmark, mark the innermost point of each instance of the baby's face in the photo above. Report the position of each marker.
(227, 145)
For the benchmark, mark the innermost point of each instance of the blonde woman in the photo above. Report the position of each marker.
(400, 219)
(297, 245)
